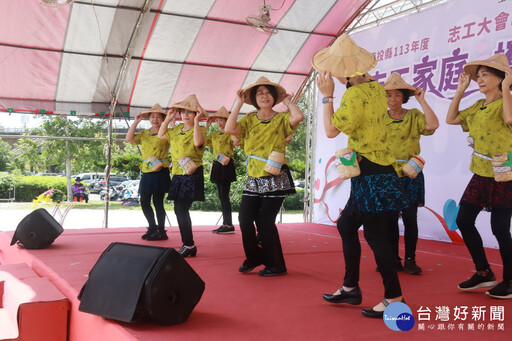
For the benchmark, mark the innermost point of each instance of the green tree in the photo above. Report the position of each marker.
(296, 149)
(127, 161)
(50, 155)
(28, 155)
(5, 150)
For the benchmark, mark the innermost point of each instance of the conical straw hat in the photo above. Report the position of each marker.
(498, 61)
(395, 82)
(190, 103)
(155, 108)
(281, 92)
(344, 58)
(222, 113)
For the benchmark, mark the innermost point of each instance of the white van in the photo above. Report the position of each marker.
(87, 178)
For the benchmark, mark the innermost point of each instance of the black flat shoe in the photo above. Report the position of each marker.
(376, 314)
(269, 272)
(246, 267)
(353, 296)
(149, 232)
(157, 235)
(411, 267)
(186, 252)
(372, 313)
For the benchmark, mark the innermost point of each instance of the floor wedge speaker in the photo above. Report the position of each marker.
(37, 230)
(132, 282)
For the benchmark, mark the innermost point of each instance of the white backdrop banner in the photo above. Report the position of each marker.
(429, 50)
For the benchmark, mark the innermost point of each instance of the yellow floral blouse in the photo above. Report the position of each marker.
(361, 116)
(152, 145)
(221, 143)
(490, 133)
(261, 137)
(404, 135)
(182, 144)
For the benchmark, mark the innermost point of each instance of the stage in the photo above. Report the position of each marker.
(238, 306)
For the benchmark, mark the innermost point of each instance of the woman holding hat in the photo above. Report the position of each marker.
(223, 167)
(263, 133)
(489, 123)
(375, 195)
(405, 127)
(155, 179)
(187, 142)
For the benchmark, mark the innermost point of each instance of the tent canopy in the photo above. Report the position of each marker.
(71, 58)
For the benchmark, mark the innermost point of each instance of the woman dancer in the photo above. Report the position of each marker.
(155, 180)
(405, 127)
(264, 131)
(375, 195)
(489, 122)
(187, 142)
(223, 167)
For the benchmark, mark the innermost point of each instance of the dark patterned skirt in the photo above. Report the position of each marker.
(271, 186)
(414, 189)
(223, 174)
(376, 189)
(155, 182)
(488, 193)
(187, 186)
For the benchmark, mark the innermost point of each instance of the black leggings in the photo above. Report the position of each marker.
(261, 211)
(225, 203)
(410, 220)
(377, 229)
(182, 208)
(158, 202)
(500, 226)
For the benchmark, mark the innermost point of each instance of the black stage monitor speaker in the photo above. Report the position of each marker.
(132, 282)
(37, 230)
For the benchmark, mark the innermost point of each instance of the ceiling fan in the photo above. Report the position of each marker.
(55, 3)
(262, 22)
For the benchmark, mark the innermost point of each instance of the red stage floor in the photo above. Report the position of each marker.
(239, 306)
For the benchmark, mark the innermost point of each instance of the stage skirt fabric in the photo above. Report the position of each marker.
(155, 182)
(414, 189)
(376, 189)
(223, 174)
(271, 186)
(188, 186)
(488, 193)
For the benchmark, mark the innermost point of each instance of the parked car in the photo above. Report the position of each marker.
(87, 178)
(97, 186)
(299, 183)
